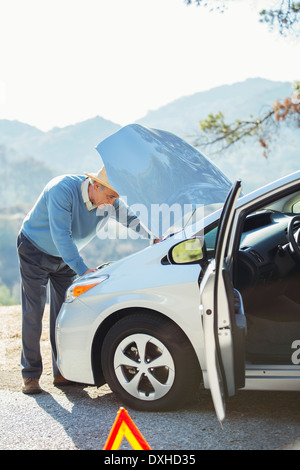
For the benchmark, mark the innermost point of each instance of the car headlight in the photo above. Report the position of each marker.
(78, 288)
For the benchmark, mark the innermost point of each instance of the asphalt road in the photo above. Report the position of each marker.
(79, 417)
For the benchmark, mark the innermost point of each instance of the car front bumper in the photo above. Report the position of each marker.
(73, 342)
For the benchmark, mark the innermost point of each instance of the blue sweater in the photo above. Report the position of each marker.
(60, 224)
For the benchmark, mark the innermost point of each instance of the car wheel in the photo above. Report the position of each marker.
(149, 362)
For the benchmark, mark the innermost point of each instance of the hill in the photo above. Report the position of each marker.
(29, 158)
(240, 100)
(69, 149)
(72, 149)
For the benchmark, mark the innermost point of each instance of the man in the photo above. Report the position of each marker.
(63, 220)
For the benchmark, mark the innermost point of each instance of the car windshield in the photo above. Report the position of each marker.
(192, 218)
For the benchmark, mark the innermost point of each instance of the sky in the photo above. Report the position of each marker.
(66, 61)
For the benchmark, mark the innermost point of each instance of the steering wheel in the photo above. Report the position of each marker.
(294, 236)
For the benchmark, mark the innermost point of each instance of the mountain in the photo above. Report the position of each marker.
(29, 158)
(240, 100)
(17, 132)
(69, 149)
(21, 178)
(235, 101)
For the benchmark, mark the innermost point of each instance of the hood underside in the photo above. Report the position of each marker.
(150, 168)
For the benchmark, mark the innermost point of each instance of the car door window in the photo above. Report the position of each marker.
(210, 240)
(296, 208)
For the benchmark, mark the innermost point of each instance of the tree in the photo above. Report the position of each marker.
(285, 18)
(216, 131)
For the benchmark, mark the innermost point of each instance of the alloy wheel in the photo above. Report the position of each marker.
(144, 367)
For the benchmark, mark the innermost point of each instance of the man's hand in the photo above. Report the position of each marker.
(90, 271)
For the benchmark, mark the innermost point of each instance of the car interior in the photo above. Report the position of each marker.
(266, 271)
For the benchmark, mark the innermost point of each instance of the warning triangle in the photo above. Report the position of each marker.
(124, 426)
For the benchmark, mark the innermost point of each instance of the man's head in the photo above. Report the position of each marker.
(100, 191)
(100, 195)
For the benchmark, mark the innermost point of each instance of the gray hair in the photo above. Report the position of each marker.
(94, 181)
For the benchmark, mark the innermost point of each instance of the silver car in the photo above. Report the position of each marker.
(217, 302)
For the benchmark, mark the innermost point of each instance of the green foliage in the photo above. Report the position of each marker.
(219, 5)
(21, 178)
(6, 298)
(216, 130)
(215, 124)
(296, 88)
(9, 272)
(21, 181)
(284, 17)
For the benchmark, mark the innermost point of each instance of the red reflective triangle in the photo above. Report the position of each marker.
(124, 426)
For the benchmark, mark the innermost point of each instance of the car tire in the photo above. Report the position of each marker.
(149, 363)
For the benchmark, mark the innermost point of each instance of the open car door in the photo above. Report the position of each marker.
(224, 322)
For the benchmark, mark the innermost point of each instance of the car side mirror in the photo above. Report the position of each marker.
(187, 251)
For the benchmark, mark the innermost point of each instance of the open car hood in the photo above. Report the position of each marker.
(151, 168)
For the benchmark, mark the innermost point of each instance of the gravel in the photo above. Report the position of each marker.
(78, 417)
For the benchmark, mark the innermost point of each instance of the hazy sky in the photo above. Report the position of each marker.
(65, 61)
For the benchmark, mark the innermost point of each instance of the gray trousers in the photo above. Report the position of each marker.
(37, 269)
